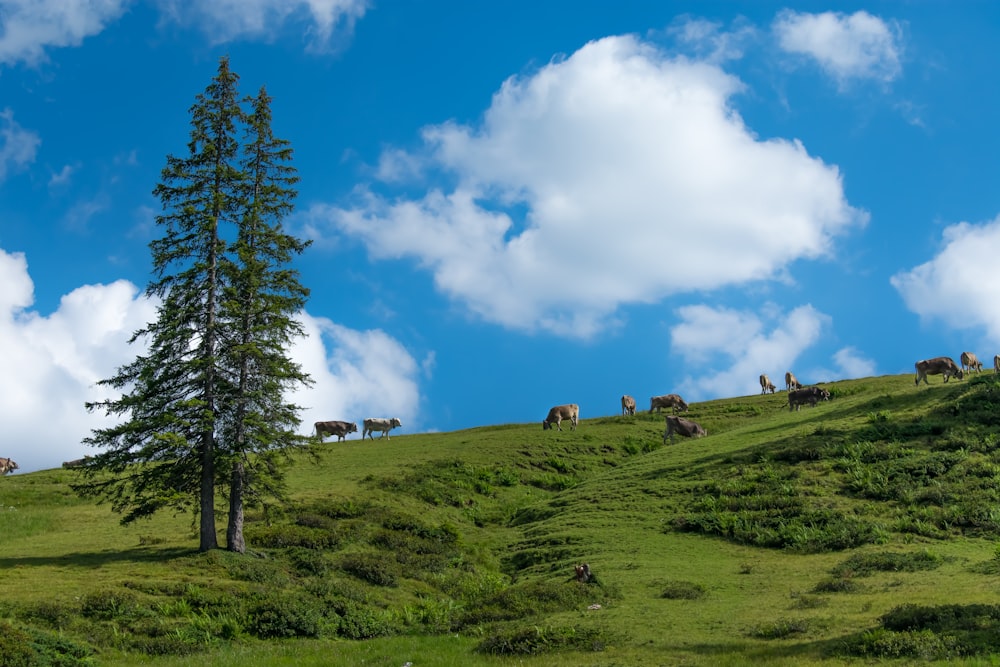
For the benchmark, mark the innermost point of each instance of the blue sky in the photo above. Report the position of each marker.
(520, 204)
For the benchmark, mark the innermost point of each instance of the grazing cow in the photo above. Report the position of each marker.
(810, 395)
(570, 411)
(681, 426)
(76, 463)
(996, 363)
(766, 385)
(673, 401)
(373, 424)
(7, 466)
(945, 366)
(337, 428)
(971, 363)
(628, 405)
(791, 382)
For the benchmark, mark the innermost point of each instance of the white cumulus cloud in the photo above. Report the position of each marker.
(960, 285)
(732, 348)
(854, 46)
(227, 20)
(52, 363)
(617, 175)
(28, 27)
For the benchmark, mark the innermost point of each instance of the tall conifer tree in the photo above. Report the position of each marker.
(205, 406)
(263, 297)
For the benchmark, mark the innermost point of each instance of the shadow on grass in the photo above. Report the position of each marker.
(100, 558)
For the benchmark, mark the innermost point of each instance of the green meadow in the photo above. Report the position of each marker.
(863, 530)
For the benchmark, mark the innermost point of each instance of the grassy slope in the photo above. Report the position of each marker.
(625, 492)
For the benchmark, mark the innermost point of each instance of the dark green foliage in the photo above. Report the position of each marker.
(379, 569)
(779, 629)
(358, 621)
(529, 599)
(33, 648)
(682, 590)
(930, 633)
(15, 647)
(285, 535)
(536, 640)
(837, 585)
(282, 615)
(863, 564)
(110, 604)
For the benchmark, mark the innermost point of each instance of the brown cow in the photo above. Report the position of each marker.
(766, 385)
(628, 405)
(996, 363)
(681, 426)
(672, 401)
(970, 362)
(570, 411)
(945, 366)
(791, 382)
(337, 428)
(7, 466)
(810, 395)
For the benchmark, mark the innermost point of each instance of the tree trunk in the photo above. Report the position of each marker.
(234, 533)
(209, 539)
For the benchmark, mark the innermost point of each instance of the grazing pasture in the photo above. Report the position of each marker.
(863, 529)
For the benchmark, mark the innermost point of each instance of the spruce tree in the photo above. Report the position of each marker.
(165, 453)
(263, 297)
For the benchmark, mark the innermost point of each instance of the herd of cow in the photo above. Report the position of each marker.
(797, 397)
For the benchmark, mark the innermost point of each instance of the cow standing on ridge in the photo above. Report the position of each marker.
(373, 424)
(791, 382)
(7, 466)
(628, 405)
(945, 366)
(766, 385)
(337, 428)
(558, 413)
(971, 363)
(672, 401)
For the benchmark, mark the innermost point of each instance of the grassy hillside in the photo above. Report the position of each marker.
(861, 528)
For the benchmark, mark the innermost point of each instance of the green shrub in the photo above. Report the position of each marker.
(780, 629)
(536, 640)
(277, 615)
(863, 564)
(359, 621)
(110, 605)
(287, 535)
(15, 647)
(375, 568)
(682, 590)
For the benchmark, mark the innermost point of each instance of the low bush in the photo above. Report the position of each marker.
(277, 615)
(682, 590)
(375, 568)
(537, 640)
(780, 629)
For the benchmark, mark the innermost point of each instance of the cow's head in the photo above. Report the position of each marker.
(546, 425)
(353, 428)
(394, 422)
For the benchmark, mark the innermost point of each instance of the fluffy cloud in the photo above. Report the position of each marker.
(852, 364)
(226, 20)
(27, 27)
(960, 285)
(744, 344)
(51, 364)
(845, 46)
(614, 176)
(17, 145)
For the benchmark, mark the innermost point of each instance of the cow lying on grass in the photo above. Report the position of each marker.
(810, 395)
(684, 427)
